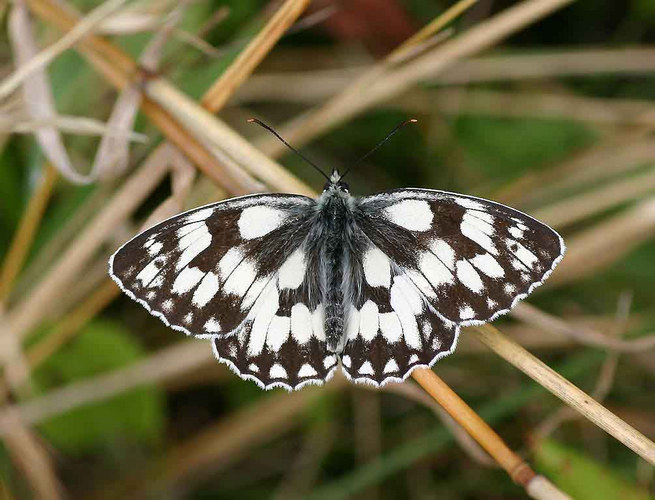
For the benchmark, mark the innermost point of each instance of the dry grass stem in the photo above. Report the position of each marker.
(72, 36)
(520, 472)
(583, 334)
(616, 236)
(577, 208)
(251, 56)
(463, 439)
(318, 85)
(27, 227)
(28, 314)
(30, 456)
(566, 391)
(430, 30)
(368, 91)
(605, 377)
(531, 104)
(164, 365)
(204, 124)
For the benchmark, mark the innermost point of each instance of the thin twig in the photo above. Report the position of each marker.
(251, 56)
(27, 228)
(520, 472)
(566, 391)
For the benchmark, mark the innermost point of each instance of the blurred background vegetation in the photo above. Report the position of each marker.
(556, 120)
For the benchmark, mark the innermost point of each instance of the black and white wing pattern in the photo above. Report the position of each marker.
(432, 262)
(234, 272)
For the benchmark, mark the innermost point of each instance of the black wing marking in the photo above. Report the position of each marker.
(392, 333)
(200, 272)
(281, 343)
(472, 259)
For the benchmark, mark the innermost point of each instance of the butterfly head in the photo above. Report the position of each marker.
(335, 183)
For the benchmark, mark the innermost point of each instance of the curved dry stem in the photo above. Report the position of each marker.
(520, 472)
(566, 391)
(27, 228)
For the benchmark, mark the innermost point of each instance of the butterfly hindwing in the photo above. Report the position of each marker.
(281, 343)
(202, 271)
(472, 259)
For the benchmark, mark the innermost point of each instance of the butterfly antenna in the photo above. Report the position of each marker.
(389, 136)
(270, 129)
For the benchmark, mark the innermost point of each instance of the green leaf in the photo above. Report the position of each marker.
(135, 415)
(580, 476)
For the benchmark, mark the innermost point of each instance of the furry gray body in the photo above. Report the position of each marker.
(334, 241)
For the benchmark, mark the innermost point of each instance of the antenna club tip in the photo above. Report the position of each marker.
(251, 120)
(412, 120)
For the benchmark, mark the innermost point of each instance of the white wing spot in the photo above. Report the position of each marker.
(292, 272)
(278, 332)
(391, 366)
(377, 268)
(199, 215)
(212, 325)
(509, 288)
(329, 362)
(266, 306)
(187, 279)
(390, 327)
(307, 370)
(469, 276)
(466, 312)
(241, 279)
(229, 261)
(167, 305)
(318, 323)
(413, 359)
(301, 323)
(259, 220)
(277, 371)
(206, 290)
(414, 215)
(198, 241)
(491, 304)
(475, 230)
(444, 251)
(368, 320)
(516, 232)
(155, 248)
(253, 367)
(468, 203)
(488, 265)
(434, 270)
(524, 255)
(346, 361)
(149, 272)
(352, 323)
(366, 368)
(188, 318)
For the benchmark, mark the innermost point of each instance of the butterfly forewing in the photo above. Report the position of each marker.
(471, 259)
(202, 271)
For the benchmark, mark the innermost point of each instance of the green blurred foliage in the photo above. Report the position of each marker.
(137, 415)
(581, 476)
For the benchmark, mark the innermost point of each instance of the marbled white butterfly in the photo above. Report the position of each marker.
(288, 288)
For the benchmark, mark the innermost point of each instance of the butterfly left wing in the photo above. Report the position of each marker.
(431, 262)
(201, 272)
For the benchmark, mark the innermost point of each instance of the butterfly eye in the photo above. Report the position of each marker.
(327, 186)
(343, 186)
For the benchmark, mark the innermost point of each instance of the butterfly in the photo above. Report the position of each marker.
(288, 288)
